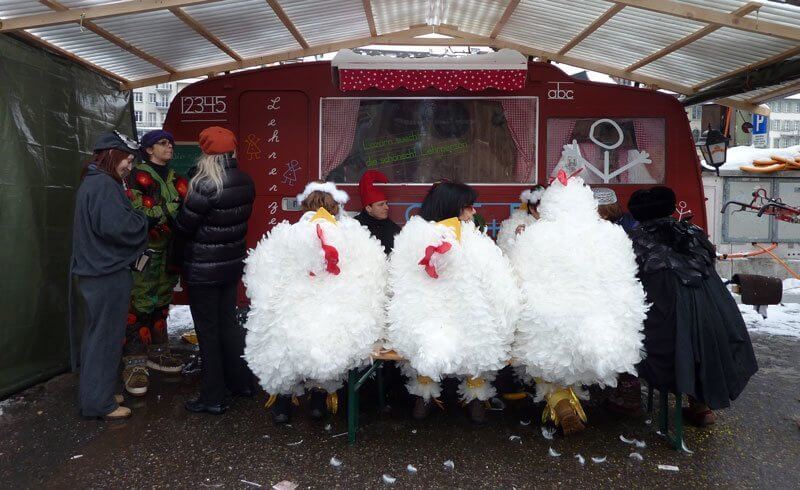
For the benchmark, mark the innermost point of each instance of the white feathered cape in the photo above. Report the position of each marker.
(306, 323)
(461, 323)
(583, 307)
(507, 235)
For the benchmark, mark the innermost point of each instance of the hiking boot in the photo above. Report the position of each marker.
(421, 408)
(282, 411)
(476, 410)
(317, 405)
(159, 358)
(135, 376)
(118, 414)
(568, 418)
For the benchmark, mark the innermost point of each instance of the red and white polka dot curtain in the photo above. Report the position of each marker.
(444, 80)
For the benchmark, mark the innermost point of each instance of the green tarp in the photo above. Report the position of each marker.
(51, 111)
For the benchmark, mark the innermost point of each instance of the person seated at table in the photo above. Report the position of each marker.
(317, 290)
(453, 301)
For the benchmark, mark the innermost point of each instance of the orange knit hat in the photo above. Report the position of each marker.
(215, 140)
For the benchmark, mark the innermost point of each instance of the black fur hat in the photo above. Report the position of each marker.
(653, 203)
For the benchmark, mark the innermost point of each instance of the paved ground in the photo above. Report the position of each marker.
(43, 442)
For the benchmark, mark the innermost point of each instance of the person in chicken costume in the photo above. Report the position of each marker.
(317, 292)
(454, 301)
(526, 215)
(583, 306)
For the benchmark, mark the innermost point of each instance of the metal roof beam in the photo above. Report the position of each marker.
(189, 21)
(744, 106)
(592, 27)
(510, 8)
(389, 38)
(711, 16)
(89, 13)
(790, 89)
(700, 33)
(53, 4)
(569, 60)
(370, 17)
(276, 7)
(768, 61)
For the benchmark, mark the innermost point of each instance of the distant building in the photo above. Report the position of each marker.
(150, 104)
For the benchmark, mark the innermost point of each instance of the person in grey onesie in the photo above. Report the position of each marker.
(108, 237)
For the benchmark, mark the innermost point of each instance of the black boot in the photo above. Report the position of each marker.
(282, 411)
(477, 411)
(317, 409)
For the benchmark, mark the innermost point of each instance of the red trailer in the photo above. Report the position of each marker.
(497, 124)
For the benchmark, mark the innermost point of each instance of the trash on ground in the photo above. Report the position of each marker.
(339, 435)
(77, 456)
(252, 484)
(285, 485)
(667, 467)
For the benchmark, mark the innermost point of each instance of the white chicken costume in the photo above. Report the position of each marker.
(583, 307)
(317, 292)
(507, 235)
(453, 307)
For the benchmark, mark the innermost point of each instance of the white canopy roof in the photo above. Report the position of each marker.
(679, 45)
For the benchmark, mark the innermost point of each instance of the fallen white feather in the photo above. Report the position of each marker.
(77, 456)
(295, 443)
(411, 469)
(597, 460)
(335, 462)
(636, 442)
(252, 484)
(685, 448)
(547, 433)
(388, 479)
(339, 435)
(328, 427)
(449, 465)
(525, 422)
(636, 456)
(580, 459)
(285, 485)
(515, 438)
(553, 453)
(667, 467)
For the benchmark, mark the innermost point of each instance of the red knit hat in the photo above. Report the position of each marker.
(215, 140)
(366, 188)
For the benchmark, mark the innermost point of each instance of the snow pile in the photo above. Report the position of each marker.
(744, 155)
(783, 319)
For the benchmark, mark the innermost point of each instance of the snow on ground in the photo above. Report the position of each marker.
(781, 319)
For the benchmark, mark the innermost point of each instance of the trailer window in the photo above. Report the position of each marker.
(423, 140)
(610, 150)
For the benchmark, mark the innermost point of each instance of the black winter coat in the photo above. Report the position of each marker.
(382, 229)
(695, 338)
(215, 226)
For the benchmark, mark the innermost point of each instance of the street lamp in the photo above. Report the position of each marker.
(714, 148)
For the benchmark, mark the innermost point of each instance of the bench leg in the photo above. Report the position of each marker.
(352, 405)
(381, 395)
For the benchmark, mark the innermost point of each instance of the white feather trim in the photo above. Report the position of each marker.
(583, 307)
(313, 327)
(339, 196)
(483, 392)
(507, 235)
(461, 323)
(531, 196)
(431, 389)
